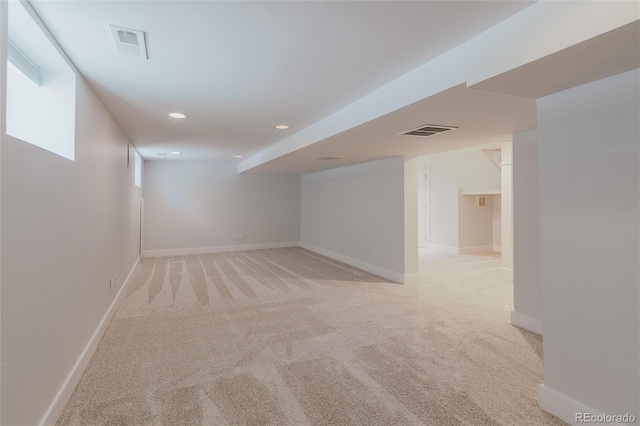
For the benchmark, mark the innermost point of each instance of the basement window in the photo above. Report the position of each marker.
(41, 85)
(137, 169)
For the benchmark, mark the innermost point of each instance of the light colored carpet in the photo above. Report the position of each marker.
(285, 336)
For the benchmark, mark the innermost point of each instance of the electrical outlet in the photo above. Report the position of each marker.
(241, 237)
(113, 282)
(235, 237)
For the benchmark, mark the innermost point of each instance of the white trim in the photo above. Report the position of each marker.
(374, 269)
(475, 249)
(64, 393)
(562, 406)
(438, 248)
(412, 278)
(531, 324)
(497, 248)
(23, 63)
(31, 11)
(217, 249)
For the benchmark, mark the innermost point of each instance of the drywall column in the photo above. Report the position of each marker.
(496, 206)
(527, 292)
(506, 206)
(411, 265)
(589, 247)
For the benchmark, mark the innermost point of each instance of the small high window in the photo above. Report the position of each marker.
(41, 86)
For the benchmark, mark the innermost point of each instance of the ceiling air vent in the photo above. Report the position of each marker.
(327, 157)
(428, 130)
(129, 42)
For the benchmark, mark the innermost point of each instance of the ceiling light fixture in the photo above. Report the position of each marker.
(177, 115)
(281, 126)
(176, 152)
(238, 156)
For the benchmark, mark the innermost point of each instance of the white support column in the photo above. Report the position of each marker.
(506, 169)
(527, 289)
(411, 264)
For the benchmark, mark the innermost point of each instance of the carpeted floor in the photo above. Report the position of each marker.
(285, 336)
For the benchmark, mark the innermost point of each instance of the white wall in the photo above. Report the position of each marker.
(497, 222)
(472, 170)
(476, 225)
(67, 228)
(193, 206)
(444, 202)
(527, 293)
(589, 209)
(356, 214)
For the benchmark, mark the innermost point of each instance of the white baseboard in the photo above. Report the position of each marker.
(497, 249)
(562, 406)
(528, 323)
(217, 249)
(506, 274)
(70, 383)
(475, 249)
(374, 269)
(439, 248)
(412, 278)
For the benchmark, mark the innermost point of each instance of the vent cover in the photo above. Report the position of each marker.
(327, 157)
(428, 130)
(129, 42)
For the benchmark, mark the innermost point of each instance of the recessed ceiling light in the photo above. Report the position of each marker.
(281, 127)
(238, 156)
(177, 115)
(176, 152)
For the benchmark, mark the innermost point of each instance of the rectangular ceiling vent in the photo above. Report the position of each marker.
(327, 157)
(428, 130)
(129, 42)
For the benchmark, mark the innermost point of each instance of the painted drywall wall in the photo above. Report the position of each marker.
(411, 211)
(506, 205)
(475, 225)
(356, 214)
(67, 228)
(527, 290)
(195, 206)
(497, 223)
(443, 223)
(423, 205)
(589, 244)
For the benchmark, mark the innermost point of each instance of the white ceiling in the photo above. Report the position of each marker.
(239, 68)
(482, 117)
